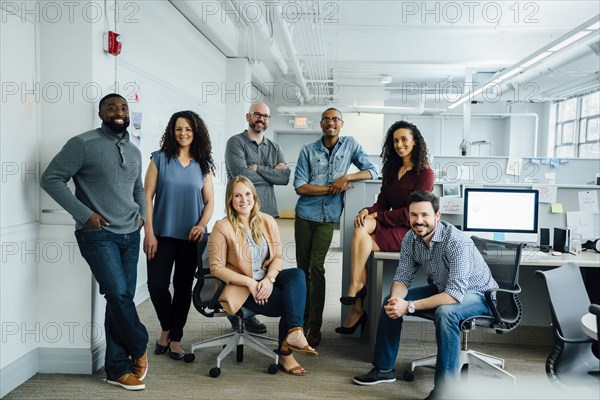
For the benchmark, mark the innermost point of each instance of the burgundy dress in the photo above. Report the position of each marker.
(392, 210)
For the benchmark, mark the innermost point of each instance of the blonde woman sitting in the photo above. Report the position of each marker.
(245, 252)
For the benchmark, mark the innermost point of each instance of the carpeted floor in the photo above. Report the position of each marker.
(329, 374)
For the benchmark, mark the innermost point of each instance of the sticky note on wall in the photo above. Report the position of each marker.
(556, 208)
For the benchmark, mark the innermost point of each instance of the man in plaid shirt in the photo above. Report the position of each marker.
(458, 278)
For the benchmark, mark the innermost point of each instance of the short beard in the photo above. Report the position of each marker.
(427, 233)
(253, 126)
(116, 128)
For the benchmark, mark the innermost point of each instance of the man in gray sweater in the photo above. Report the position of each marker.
(109, 209)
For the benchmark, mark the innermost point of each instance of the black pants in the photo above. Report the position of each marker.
(172, 312)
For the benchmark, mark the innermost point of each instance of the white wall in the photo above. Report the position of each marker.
(19, 193)
(51, 311)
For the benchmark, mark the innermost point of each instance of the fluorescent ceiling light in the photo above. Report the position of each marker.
(535, 59)
(570, 40)
(385, 79)
(594, 26)
(508, 74)
(553, 48)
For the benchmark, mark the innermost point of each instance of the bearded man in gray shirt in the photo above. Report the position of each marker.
(259, 159)
(109, 209)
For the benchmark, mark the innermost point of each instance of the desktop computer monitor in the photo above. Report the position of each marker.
(502, 214)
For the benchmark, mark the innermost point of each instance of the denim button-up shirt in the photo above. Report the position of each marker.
(316, 167)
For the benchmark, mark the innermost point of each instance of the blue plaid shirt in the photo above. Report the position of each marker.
(452, 262)
(316, 167)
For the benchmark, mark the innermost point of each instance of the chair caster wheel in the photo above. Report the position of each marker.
(272, 369)
(214, 372)
(189, 357)
(239, 354)
(408, 376)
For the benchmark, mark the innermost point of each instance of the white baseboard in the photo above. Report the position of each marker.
(51, 361)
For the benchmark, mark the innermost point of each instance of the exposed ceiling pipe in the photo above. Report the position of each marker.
(578, 86)
(290, 49)
(418, 110)
(552, 63)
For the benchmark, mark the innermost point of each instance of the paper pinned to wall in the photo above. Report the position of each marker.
(513, 166)
(588, 201)
(465, 173)
(547, 193)
(551, 177)
(586, 223)
(451, 205)
(556, 208)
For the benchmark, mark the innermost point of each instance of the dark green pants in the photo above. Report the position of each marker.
(312, 243)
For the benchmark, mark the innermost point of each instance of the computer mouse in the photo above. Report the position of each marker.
(556, 253)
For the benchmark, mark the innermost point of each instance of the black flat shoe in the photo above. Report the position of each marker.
(362, 321)
(350, 300)
(160, 349)
(176, 356)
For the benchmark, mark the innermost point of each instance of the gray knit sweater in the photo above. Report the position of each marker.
(107, 172)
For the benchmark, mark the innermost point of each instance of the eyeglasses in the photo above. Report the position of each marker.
(258, 115)
(326, 120)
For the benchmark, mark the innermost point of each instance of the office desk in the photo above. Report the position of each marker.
(588, 325)
(588, 258)
(389, 260)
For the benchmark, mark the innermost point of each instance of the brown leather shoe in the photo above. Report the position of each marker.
(128, 382)
(313, 336)
(140, 367)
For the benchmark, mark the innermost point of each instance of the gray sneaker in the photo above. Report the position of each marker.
(375, 376)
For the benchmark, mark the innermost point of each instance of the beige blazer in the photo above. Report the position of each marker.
(227, 258)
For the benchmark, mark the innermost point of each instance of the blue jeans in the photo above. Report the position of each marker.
(287, 301)
(447, 319)
(113, 261)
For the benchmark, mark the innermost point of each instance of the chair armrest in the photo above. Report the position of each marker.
(492, 306)
(573, 340)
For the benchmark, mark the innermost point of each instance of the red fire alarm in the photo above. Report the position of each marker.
(112, 43)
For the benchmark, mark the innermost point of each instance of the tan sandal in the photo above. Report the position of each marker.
(293, 370)
(286, 347)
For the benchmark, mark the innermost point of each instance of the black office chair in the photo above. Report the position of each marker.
(504, 260)
(595, 309)
(571, 358)
(206, 300)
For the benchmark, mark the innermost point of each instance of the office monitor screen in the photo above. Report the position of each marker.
(501, 210)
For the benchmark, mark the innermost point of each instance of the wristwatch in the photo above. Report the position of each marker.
(411, 307)
(269, 277)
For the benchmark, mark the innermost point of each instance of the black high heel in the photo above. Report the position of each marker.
(350, 300)
(362, 321)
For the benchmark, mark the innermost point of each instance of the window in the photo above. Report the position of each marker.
(578, 127)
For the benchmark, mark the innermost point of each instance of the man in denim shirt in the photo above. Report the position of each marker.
(321, 179)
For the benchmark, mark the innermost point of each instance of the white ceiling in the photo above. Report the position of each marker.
(429, 45)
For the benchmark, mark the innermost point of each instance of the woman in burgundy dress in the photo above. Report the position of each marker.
(382, 226)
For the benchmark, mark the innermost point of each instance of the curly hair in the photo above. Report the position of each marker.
(391, 160)
(201, 147)
(256, 219)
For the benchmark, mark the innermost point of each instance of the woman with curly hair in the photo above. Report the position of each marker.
(179, 204)
(382, 226)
